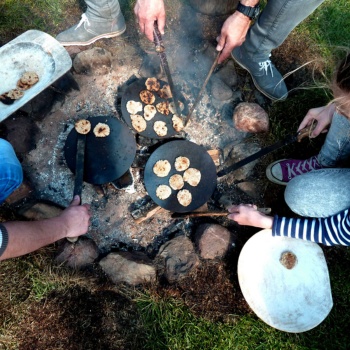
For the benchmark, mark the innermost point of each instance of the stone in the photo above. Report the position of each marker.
(178, 258)
(250, 117)
(77, 255)
(220, 90)
(250, 188)
(213, 241)
(41, 211)
(228, 74)
(96, 61)
(133, 268)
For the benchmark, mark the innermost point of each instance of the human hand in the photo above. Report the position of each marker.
(147, 12)
(248, 215)
(323, 116)
(233, 33)
(76, 218)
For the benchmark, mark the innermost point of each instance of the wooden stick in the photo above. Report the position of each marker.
(213, 213)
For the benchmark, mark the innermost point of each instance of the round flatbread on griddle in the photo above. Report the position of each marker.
(163, 107)
(138, 123)
(181, 163)
(165, 92)
(176, 182)
(152, 84)
(101, 130)
(147, 97)
(178, 124)
(133, 107)
(184, 197)
(82, 126)
(192, 176)
(28, 79)
(163, 192)
(149, 112)
(160, 128)
(162, 168)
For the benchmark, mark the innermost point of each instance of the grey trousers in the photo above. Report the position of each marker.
(275, 23)
(100, 10)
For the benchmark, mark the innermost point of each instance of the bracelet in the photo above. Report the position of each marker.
(4, 238)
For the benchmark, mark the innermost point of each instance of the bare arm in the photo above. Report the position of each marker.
(248, 215)
(27, 236)
(234, 31)
(147, 12)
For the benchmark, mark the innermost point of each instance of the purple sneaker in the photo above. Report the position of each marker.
(283, 170)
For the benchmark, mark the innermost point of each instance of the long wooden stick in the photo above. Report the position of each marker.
(213, 213)
(202, 89)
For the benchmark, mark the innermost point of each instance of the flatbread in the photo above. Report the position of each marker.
(28, 79)
(184, 197)
(149, 112)
(176, 182)
(178, 124)
(160, 128)
(138, 123)
(163, 192)
(192, 176)
(133, 107)
(181, 163)
(152, 84)
(165, 92)
(162, 168)
(163, 107)
(101, 130)
(172, 107)
(147, 97)
(14, 94)
(82, 126)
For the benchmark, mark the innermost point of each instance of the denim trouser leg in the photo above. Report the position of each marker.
(100, 10)
(11, 175)
(336, 147)
(274, 24)
(319, 193)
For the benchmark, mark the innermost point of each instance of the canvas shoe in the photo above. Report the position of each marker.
(283, 170)
(267, 79)
(87, 31)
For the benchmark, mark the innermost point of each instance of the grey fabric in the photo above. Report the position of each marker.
(275, 23)
(100, 10)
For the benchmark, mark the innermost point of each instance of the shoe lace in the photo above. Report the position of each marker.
(302, 167)
(265, 65)
(83, 20)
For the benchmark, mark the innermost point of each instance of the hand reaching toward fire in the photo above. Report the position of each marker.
(248, 215)
(233, 33)
(147, 12)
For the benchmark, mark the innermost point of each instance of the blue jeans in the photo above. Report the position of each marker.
(274, 24)
(11, 175)
(325, 192)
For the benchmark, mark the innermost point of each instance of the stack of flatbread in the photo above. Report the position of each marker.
(143, 113)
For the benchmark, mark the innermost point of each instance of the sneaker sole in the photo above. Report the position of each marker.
(270, 176)
(89, 42)
(256, 84)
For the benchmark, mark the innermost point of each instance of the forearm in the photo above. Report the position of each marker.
(334, 230)
(27, 236)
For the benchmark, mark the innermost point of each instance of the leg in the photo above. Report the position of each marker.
(275, 23)
(336, 148)
(11, 175)
(320, 193)
(103, 19)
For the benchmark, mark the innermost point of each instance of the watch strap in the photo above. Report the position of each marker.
(251, 12)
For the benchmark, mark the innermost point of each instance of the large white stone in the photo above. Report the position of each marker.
(294, 299)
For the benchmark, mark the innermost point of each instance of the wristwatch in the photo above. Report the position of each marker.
(251, 12)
